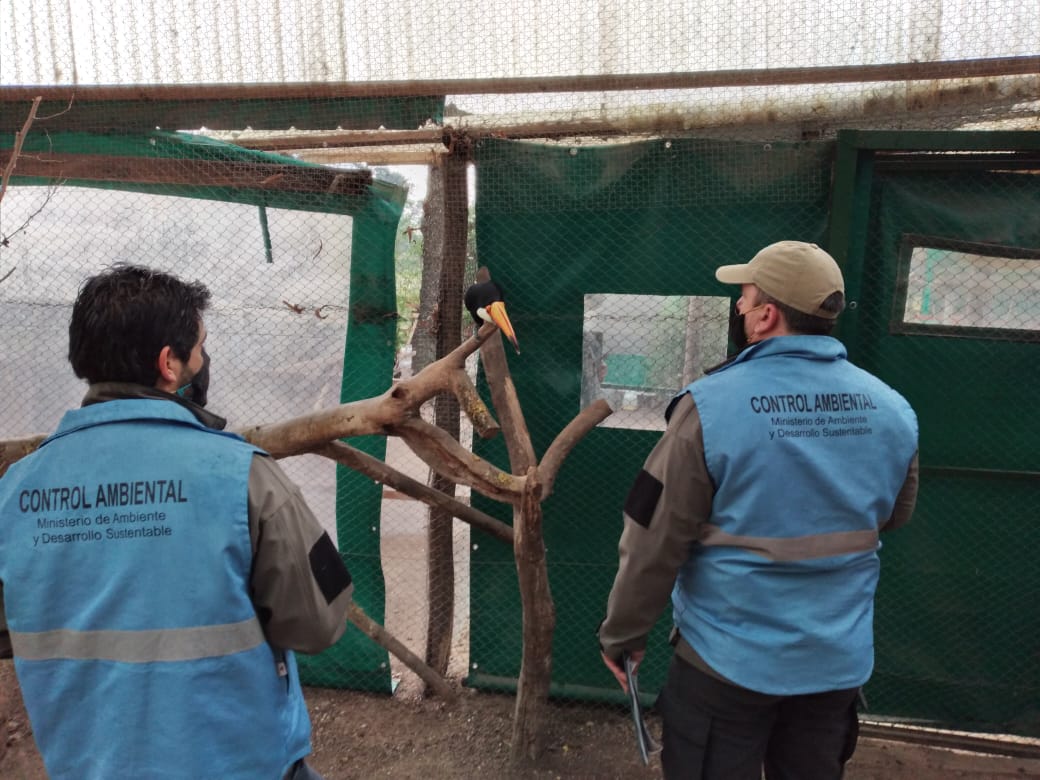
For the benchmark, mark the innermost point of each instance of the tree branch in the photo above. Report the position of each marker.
(538, 624)
(373, 467)
(15, 449)
(377, 415)
(450, 459)
(385, 639)
(587, 419)
(5, 238)
(505, 401)
(19, 139)
(368, 416)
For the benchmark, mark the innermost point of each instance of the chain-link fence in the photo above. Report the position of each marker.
(601, 159)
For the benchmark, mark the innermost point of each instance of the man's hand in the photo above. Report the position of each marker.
(619, 673)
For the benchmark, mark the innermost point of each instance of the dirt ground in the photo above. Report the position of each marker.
(362, 735)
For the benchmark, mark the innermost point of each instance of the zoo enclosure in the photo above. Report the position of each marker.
(618, 154)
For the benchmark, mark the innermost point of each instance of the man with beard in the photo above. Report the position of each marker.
(158, 572)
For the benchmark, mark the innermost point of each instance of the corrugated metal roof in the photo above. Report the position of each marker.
(214, 41)
(124, 42)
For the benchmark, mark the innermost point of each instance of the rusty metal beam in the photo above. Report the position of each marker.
(899, 71)
(203, 173)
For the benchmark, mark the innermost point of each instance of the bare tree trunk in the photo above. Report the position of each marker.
(427, 324)
(440, 548)
(539, 622)
(440, 556)
(539, 613)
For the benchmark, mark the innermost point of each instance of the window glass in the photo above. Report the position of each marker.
(640, 350)
(953, 285)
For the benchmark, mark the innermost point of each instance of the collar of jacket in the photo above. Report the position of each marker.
(116, 391)
(798, 346)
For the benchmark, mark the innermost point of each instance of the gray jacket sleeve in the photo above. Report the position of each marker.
(907, 498)
(664, 514)
(300, 587)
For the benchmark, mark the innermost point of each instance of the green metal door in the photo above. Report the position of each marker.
(940, 238)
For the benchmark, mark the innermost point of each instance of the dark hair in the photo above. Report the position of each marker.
(125, 315)
(808, 324)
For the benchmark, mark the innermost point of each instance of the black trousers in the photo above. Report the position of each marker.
(717, 731)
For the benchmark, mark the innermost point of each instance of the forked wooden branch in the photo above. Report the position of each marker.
(450, 459)
(538, 610)
(514, 427)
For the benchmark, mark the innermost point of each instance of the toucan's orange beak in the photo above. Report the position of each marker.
(497, 312)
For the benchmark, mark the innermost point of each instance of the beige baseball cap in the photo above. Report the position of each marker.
(795, 273)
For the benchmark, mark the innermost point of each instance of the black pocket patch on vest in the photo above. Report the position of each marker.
(642, 498)
(328, 569)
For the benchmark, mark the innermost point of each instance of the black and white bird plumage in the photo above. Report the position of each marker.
(485, 304)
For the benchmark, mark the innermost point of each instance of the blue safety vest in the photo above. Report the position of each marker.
(125, 556)
(807, 454)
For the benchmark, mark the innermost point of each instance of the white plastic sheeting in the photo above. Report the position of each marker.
(215, 41)
(283, 41)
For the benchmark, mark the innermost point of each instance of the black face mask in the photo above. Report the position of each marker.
(737, 336)
(197, 389)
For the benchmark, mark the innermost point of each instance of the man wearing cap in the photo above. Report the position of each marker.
(759, 512)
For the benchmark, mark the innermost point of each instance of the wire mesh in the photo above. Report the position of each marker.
(617, 153)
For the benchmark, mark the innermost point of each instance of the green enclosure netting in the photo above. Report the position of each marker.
(607, 255)
(296, 157)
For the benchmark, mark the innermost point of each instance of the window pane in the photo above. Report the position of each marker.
(640, 350)
(968, 290)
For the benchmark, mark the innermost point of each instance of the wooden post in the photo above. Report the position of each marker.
(539, 622)
(445, 220)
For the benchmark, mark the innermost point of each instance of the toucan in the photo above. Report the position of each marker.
(485, 304)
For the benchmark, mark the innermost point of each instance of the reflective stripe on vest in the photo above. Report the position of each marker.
(165, 644)
(799, 548)
(157, 633)
(778, 595)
